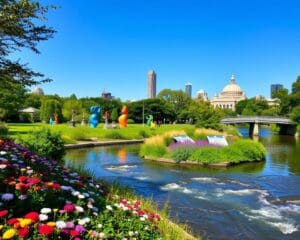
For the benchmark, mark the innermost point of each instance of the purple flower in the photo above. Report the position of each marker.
(7, 196)
(79, 228)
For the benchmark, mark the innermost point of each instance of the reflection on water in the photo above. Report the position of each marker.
(258, 200)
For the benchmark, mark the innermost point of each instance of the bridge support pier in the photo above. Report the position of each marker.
(253, 129)
(288, 129)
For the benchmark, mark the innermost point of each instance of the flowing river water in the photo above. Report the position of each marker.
(258, 200)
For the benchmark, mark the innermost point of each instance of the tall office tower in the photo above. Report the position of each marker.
(188, 89)
(275, 87)
(151, 84)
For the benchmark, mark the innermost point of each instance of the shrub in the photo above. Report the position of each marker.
(79, 133)
(114, 135)
(152, 150)
(130, 121)
(168, 140)
(243, 150)
(274, 128)
(251, 150)
(45, 143)
(208, 155)
(143, 134)
(3, 129)
(181, 154)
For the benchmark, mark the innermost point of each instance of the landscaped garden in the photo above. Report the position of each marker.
(42, 199)
(162, 148)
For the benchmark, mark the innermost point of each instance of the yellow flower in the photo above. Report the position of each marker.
(1, 226)
(10, 233)
(51, 224)
(24, 222)
(55, 209)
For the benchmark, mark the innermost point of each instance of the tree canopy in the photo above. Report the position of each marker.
(21, 27)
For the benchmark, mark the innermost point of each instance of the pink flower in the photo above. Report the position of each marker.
(69, 207)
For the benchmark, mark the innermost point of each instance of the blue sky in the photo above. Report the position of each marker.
(111, 45)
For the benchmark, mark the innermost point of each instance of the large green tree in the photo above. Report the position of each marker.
(177, 100)
(21, 27)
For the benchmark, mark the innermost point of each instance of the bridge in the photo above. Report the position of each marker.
(287, 127)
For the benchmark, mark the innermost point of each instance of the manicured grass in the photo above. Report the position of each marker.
(71, 135)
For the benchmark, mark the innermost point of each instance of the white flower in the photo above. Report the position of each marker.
(142, 219)
(131, 233)
(2, 153)
(3, 166)
(61, 224)
(81, 196)
(99, 225)
(43, 217)
(109, 208)
(46, 210)
(75, 193)
(102, 235)
(23, 197)
(79, 209)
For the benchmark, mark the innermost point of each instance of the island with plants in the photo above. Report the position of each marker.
(201, 152)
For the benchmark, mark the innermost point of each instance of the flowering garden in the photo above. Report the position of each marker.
(41, 199)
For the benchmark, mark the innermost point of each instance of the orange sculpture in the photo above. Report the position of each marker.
(123, 117)
(56, 118)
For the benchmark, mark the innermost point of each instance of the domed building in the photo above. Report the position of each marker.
(38, 91)
(231, 94)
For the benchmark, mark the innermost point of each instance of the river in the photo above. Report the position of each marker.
(250, 201)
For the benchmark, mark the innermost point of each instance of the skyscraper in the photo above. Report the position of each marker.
(151, 84)
(275, 87)
(188, 89)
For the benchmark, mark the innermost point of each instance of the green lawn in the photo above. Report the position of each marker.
(70, 135)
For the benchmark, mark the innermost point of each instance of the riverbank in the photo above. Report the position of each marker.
(97, 143)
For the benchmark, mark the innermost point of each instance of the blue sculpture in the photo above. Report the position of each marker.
(51, 121)
(95, 110)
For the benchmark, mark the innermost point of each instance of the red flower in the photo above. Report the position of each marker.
(74, 233)
(22, 187)
(56, 186)
(33, 181)
(12, 221)
(22, 178)
(45, 229)
(23, 232)
(34, 216)
(3, 213)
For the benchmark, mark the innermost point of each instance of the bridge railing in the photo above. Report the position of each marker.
(257, 119)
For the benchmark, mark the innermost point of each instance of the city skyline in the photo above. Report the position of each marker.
(116, 43)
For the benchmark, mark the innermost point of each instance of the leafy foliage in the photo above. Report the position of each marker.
(49, 108)
(45, 143)
(21, 28)
(181, 154)
(3, 129)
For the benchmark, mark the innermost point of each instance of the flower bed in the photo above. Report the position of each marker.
(41, 199)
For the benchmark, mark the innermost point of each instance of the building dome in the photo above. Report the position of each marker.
(232, 87)
(38, 91)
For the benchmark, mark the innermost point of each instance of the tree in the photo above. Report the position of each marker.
(71, 105)
(21, 28)
(114, 115)
(176, 99)
(284, 100)
(49, 108)
(12, 96)
(295, 95)
(295, 114)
